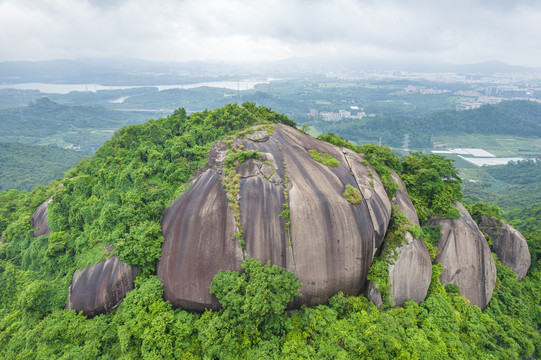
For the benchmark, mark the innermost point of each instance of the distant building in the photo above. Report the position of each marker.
(468, 105)
(344, 113)
(511, 92)
(313, 112)
(330, 116)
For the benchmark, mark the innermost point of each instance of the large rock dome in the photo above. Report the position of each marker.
(327, 240)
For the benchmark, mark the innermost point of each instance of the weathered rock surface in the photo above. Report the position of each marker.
(373, 191)
(259, 135)
(329, 244)
(372, 293)
(40, 220)
(199, 232)
(508, 244)
(99, 288)
(403, 200)
(466, 258)
(409, 274)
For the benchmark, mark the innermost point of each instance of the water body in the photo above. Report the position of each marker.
(67, 88)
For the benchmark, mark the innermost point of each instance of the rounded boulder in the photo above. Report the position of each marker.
(466, 258)
(291, 209)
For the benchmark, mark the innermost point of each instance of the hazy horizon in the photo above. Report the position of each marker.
(459, 32)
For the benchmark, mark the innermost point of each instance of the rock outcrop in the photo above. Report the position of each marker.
(325, 240)
(411, 272)
(508, 244)
(40, 219)
(403, 200)
(466, 258)
(99, 288)
(373, 294)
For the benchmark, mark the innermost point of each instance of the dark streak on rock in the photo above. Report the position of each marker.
(199, 241)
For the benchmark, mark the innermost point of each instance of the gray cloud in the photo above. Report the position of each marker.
(457, 31)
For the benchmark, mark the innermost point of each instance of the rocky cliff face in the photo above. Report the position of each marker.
(508, 244)
(326, 241)
(40, 219)
(99, 288)
(199, 241)
(466, 258)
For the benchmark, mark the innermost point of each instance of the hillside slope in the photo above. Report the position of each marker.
(112, 205)
(23, 166)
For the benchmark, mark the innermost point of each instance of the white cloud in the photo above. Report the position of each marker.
(457, 31)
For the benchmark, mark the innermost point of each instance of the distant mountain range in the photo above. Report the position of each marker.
(115, 71)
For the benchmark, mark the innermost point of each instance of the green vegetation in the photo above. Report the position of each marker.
(23, 167)
(324, 158)
(433, 185)
(379, 270)
(45, 122)
(116, 198)
(525, 219)
(353, 195)
(381, 158)
(254, 304)
(285, 214)
(231, 182)
(515, 188)
(509, 118)
(479, 209)
(431, 235)
(432, 181)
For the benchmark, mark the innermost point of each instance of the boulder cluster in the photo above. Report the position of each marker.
(290, 208)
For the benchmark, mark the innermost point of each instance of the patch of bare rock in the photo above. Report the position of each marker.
(466, 258)
(509, 244)
(99, 288)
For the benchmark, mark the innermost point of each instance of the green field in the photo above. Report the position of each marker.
(501, 146)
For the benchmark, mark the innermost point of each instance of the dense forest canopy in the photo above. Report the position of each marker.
(511, 186)
(24, 166)
(46, 122)
(112, 203)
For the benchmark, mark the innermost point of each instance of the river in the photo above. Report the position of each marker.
(67, 88)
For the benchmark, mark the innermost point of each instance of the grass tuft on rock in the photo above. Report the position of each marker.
(353, 195)
(324, 158)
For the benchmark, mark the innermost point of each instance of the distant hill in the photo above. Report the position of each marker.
(123, 71)
(24, 166)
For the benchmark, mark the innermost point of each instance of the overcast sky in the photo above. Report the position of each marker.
(456, 31)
